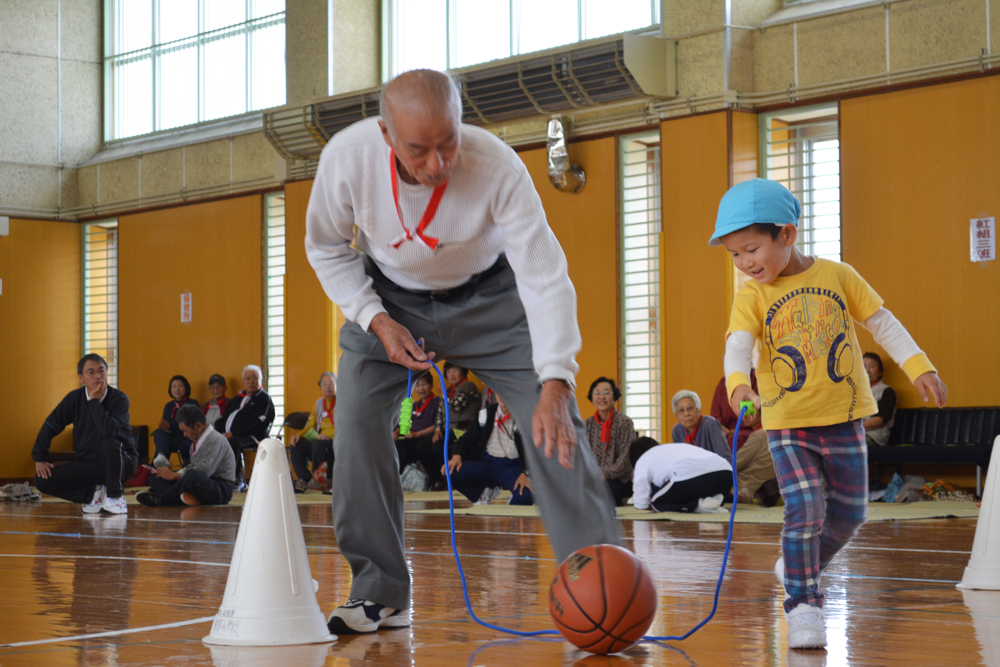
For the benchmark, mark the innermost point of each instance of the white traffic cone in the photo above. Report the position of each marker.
(308, 655)
(983, 570)
(269, 599)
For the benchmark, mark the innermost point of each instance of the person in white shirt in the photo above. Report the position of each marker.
(678, 477)
(455, 250)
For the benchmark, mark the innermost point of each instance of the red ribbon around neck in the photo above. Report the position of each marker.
(425, 220)
(605, 427)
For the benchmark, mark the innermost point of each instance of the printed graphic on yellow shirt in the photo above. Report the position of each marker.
(806, 326)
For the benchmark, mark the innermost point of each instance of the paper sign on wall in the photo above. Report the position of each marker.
(983, 239)
(186, 308)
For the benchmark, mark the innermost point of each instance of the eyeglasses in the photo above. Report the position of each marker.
(326, 385)
(604, 393)
(96, 372)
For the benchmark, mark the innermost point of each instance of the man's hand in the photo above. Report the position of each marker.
(43, 469)
(229, 435)
(294, 439)
(551, 425)
(438, 435)
(930, 386)
(164, 425)
(323, 437)
(166, 473)
(743, 393)
(98, 391)
(523, 482)
(455, 464)
(399, 344)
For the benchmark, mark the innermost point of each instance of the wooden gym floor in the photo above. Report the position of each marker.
(891, 597)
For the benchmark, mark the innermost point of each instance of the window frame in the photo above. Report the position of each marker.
(109, 283)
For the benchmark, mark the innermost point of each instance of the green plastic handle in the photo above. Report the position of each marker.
(751, 410)
(405, 414)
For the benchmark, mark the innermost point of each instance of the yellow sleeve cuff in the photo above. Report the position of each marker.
(917, 365)
(734, 381)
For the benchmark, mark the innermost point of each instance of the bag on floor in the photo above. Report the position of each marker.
(20, 492)
(414, 479)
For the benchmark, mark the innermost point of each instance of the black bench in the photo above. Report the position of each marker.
(947, 435)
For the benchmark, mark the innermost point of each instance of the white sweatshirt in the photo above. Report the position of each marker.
(489, 207)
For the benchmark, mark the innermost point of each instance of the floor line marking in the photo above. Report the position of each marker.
(113, 633)
(149, 560)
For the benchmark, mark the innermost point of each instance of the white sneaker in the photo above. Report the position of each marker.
(806, 627)
(361, 616)
(161, 461)
(488, 496)
(710, 505)
(94, 506)
(115, 505)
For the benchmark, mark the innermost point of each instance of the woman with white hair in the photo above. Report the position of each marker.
(697, 429)
(247, 418)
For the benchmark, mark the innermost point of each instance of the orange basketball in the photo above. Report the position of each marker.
(602, 599)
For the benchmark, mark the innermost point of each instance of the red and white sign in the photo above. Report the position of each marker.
(186, 308)
(983, 239)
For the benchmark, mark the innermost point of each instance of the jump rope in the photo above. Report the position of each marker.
(405, 414)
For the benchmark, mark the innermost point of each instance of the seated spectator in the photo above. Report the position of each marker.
(418, 444)
(678, 477)
(755, 471)
(106, 456)
(877, 427)
(696, 429)
(216, 405)
(210, 476)
(167, 437)
(490, 456)
(319, 447)
(610, 432)
(463, 400)
(247, 418)
(724, 414)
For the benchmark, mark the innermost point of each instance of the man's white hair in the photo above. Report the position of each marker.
(685, 393)
(255, 368)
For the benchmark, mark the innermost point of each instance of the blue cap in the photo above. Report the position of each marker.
(752, 202)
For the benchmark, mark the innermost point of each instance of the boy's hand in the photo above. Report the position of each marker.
(930, 386)
(743, 393)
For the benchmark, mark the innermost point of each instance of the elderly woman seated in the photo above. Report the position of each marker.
(697, 429)
(610, 433)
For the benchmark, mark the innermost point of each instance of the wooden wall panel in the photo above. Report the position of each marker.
(212, 250)
(697, 278)
(586, 226)
(916, 165)
(40, 334)
(312, 321)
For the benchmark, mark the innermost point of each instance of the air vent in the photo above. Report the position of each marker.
(560, 81)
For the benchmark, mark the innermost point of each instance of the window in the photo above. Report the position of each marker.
(169, 64)
(100, 293)
(802, 152)
(448, 34)
(641, 225)
(274, 303)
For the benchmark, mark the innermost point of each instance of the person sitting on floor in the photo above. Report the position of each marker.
(316, 446)
(247, 418)
(419, 444)
(678, 478)
(210, 476)
(878, 426)
(106, 456)
(490, 456)
(463, 400)
(610, 432)
(216, 405)
(168, 438)
(697, 429)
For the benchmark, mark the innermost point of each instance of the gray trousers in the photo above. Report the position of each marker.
(480, 326)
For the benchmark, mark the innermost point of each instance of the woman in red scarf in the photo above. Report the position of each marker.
(694, 428)
(610, 433)
(168, 437)
(418, 444)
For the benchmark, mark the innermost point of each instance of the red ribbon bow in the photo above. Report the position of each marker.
(425, 220)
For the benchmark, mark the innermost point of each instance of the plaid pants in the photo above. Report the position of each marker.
(816, 528)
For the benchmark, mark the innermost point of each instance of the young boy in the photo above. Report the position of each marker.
(811, 380)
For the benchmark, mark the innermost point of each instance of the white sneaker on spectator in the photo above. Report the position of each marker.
(710, 505)
(94, 506)
(806, 627)
(115, 505)
(161, 461)
(488, 496)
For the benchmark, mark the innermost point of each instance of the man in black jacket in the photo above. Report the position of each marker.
(247, 418)
(490, 456)
(106, 456)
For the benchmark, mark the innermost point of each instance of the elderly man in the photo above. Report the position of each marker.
(106, 456)
(210, 476)
(247, 418)
(695, 428)
(457, 252)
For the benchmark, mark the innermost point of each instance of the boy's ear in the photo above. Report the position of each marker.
(789, 234)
